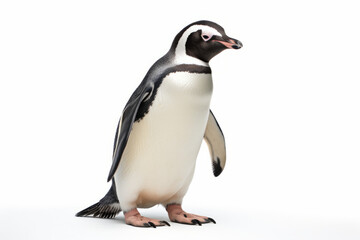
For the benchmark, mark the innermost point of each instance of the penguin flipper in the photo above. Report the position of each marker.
(216, 143)
(107, 207)
(125, 124)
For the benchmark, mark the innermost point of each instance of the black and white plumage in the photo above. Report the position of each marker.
(163, 123)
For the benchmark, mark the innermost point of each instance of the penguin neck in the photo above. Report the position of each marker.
(180, 57)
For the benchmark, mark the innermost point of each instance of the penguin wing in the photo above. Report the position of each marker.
(125, 124)
(216, 143)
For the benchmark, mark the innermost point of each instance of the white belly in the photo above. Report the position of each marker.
(159, 160)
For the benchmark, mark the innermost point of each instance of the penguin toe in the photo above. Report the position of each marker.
(176, 214)
(196, 222)
(134, 218)
(146, 222)
(191, 219)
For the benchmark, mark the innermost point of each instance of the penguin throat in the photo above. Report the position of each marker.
(183, 58)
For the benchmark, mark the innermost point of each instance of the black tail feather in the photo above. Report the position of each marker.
(107, 207)
(100, 210)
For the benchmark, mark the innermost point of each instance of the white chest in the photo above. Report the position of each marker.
(183, 91)
(162, 148)
(179, 113)
(177, 118)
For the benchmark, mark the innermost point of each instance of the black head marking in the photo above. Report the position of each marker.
(206, 41)
(203, 22)
(200, 49)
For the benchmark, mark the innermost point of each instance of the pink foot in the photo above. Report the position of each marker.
(176, 214)
(134, 218)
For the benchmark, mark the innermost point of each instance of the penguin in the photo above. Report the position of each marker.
(161, 129)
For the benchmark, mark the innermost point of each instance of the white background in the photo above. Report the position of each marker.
(288, 103)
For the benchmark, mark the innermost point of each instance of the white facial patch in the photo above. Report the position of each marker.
(180, 52)
(206, 36)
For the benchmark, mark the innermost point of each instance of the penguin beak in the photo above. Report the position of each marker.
(231, 43)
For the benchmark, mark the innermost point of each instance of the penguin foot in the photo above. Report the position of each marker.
(134, 218)
(178, 215)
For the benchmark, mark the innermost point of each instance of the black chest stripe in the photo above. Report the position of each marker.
(190, 68)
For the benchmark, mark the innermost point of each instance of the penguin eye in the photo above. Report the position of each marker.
(206, 37)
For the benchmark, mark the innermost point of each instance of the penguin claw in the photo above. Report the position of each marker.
(196, 222)
(211, 220)
(152, 224)
(165, 222)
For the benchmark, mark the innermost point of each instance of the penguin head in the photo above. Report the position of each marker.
(202, 40)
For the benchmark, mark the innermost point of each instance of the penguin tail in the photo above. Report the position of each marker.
(107, 207)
